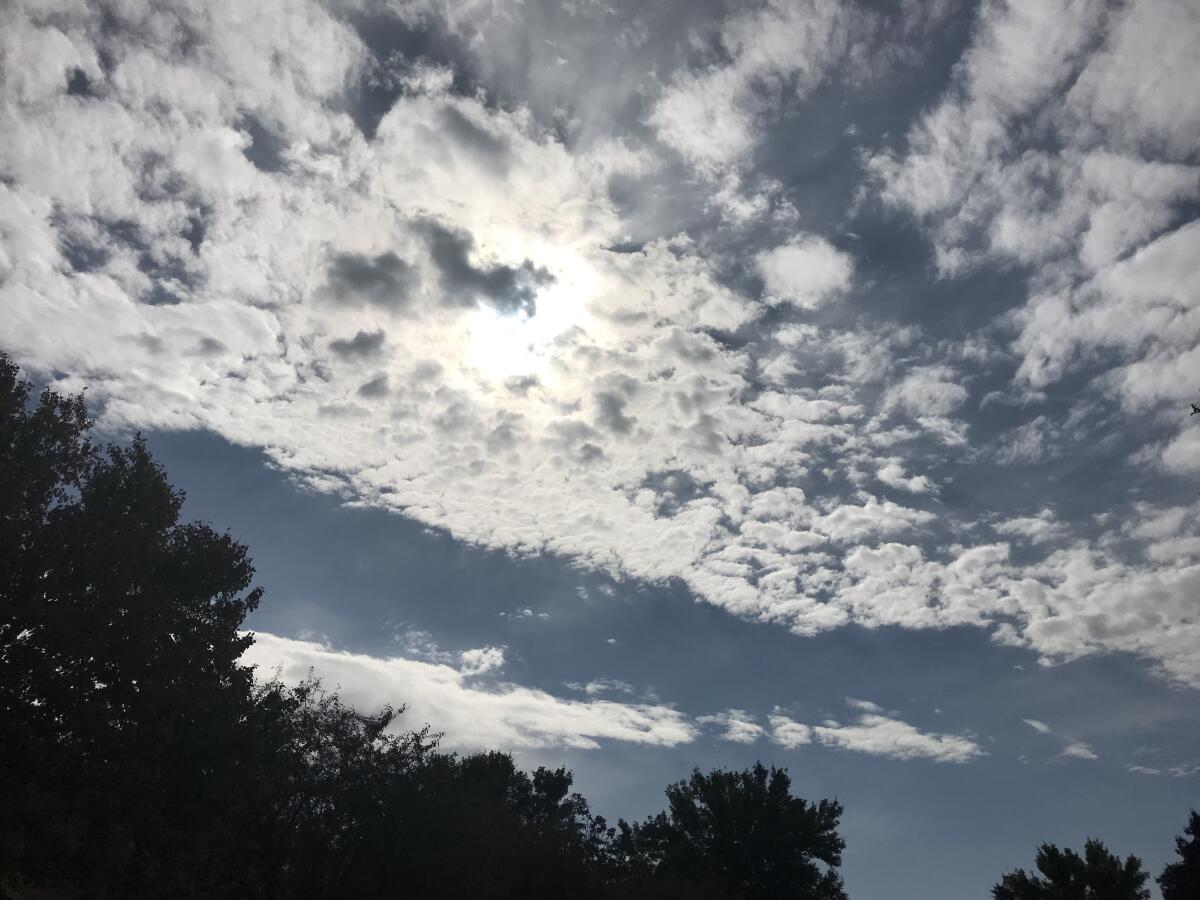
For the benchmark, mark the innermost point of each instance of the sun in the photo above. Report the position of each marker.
(508, 345)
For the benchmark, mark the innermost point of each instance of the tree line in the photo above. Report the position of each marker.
(140, 758)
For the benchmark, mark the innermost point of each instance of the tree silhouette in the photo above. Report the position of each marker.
(742, 832)
(1181, 880)
(1097, 875)
(122, 703)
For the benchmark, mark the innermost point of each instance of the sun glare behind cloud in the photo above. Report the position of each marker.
(504, 345)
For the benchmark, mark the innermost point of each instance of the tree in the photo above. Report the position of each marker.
(122, 703)
(1097, 875)
(742, 833)
(1181, 880)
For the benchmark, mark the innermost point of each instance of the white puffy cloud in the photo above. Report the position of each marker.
(805, 271)
(735, 725)
(934, 391)
(481, 660)
(789, 734)
(1039, 529)
(892, 474)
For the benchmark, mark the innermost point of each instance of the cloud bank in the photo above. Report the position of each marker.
(425, 299)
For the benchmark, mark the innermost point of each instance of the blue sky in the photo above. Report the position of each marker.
(644, 386)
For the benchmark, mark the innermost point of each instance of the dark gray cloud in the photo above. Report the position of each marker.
(522, 384)
(484, 146)
(396, 47)
(362, 345)
(673, 489)
(88, 243)
(78, 83)
(196, 228)
(172, 277)
(610, 413)
(375, 388)
(508, 289)
(210, 346)
(384, 280)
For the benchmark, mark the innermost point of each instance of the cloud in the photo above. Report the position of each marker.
(602, 686)
(877, 734)
(1072, 749)
(864, 705)
(384, 279)
(434, 318)
(712, 115)
(806, 271)
(459, 694)
(472, 713)
(1058, 166)
(883, 736)
(1078, 750)
(736, 725)
(1040, 529)
(892, 474)
(789, 734)
(507, 288)
(1183, 771)
(934, 391)
(481, 660)
(363, 344)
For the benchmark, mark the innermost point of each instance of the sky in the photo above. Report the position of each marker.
(641, 386)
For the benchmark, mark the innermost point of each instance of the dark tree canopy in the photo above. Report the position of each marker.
(1180, 880)
(1097, 875)
(121, 699)
(743, 834)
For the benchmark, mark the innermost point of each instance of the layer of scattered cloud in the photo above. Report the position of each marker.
(1053, 149)
(465, 700)
(441, 315)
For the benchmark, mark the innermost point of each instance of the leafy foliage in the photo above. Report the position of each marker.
(742, 833)
(1097, 875)
(1181, 880)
